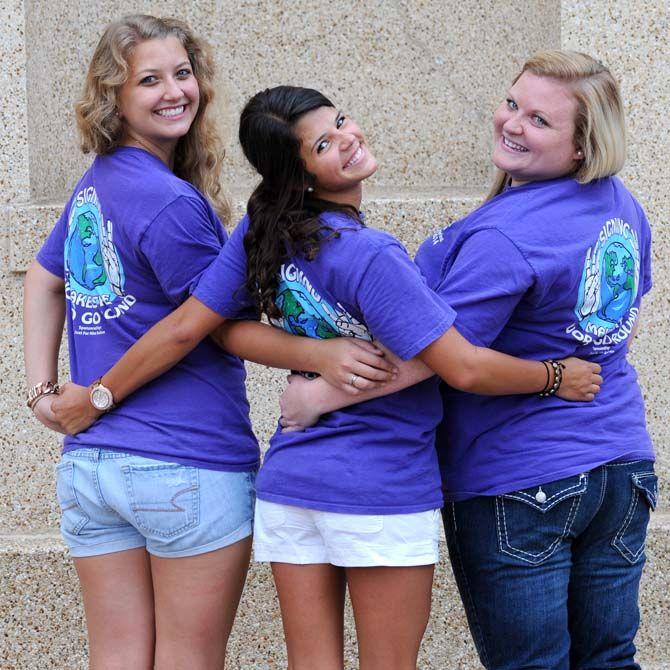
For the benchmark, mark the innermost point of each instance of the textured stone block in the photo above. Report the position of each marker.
(42, 617)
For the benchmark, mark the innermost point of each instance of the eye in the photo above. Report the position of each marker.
(340, 121)
(322, 146)
(511, 104)
(148, 80)
(538, 120)
(184, 73)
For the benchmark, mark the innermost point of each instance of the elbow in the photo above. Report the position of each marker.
(464, 379)
(466, 374)
(184, 334)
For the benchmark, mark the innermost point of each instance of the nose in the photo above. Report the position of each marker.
(513, 124)
(346, 139)
(172, 90)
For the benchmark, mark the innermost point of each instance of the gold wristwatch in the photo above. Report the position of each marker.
(101, 397)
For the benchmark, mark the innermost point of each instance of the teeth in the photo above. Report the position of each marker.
(513, 145)
(355, 158)
(172, 111)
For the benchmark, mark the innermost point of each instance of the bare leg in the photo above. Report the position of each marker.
(312, 607)
(391, 610)
(119, 606)
(196, 601)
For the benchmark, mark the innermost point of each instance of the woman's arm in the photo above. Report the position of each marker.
(487, 372)
(172, 338)
(303, 401)
(43, 319)
(337, 360)
(158, 350)
(464, 366)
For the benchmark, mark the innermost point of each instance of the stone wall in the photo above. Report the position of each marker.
(422, 78)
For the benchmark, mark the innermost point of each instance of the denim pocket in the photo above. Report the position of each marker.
(532, 522)
(73, 517)
(631, 537)
(164, 499)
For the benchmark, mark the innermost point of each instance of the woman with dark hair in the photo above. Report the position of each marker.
(353, 501)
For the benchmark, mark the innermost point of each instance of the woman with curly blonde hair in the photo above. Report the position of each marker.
(157, 497)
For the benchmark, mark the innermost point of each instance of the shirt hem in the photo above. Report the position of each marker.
(436, 503)
(510, 487)
(221, 467)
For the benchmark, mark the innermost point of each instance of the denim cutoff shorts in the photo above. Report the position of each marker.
(112, 501)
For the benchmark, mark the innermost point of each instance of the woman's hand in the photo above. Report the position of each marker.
(353, 365)
(581, 380)
(73, 409)
(298, 404)
(45, 414)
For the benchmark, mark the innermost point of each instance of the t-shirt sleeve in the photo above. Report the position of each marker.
(223, 287)
(484, 284)
(51, 255)
(179, 244)
(647, 282)
(397, 305)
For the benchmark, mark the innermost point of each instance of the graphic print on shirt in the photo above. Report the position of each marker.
(609, 287)
(94, 276)
(305, 312)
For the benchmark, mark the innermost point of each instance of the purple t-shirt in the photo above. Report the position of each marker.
(376, 457)
(544, 270)
(131, 244)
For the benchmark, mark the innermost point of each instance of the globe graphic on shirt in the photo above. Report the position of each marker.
(301, 317)
(84, 257)
(618, 282)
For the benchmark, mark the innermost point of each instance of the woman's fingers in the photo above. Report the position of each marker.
(377, 362)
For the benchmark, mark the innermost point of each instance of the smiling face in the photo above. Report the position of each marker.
(159, 101)
(335, 153)
(534, 130)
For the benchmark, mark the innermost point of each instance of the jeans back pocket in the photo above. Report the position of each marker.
(164, 499)
(631, 537)
(532, 522)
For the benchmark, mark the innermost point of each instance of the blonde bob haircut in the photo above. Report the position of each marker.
(198, 155)
(600, 127)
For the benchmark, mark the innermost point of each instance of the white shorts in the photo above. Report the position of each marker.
(288, 534)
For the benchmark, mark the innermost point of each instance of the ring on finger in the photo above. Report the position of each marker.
(353, 379)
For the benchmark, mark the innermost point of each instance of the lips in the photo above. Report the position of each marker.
(170, 112)
(513, 146)
(358, 154)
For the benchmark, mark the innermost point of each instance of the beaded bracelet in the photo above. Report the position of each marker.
(552, 388)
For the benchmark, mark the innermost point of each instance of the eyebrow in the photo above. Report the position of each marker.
(320, 137)
(153, 69)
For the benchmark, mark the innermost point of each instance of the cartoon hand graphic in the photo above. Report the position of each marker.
(591, 301)
(110, 259)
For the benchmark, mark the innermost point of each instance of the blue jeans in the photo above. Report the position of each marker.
(549, 575)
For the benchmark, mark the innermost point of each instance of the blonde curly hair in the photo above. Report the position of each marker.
(600, 125)
(199, 154)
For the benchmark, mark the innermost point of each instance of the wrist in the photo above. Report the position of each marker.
(314, 359)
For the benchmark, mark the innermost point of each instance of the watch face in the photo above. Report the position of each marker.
(100, 397)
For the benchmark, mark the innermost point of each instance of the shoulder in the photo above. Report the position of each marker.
(137, 174)
(358, 237)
